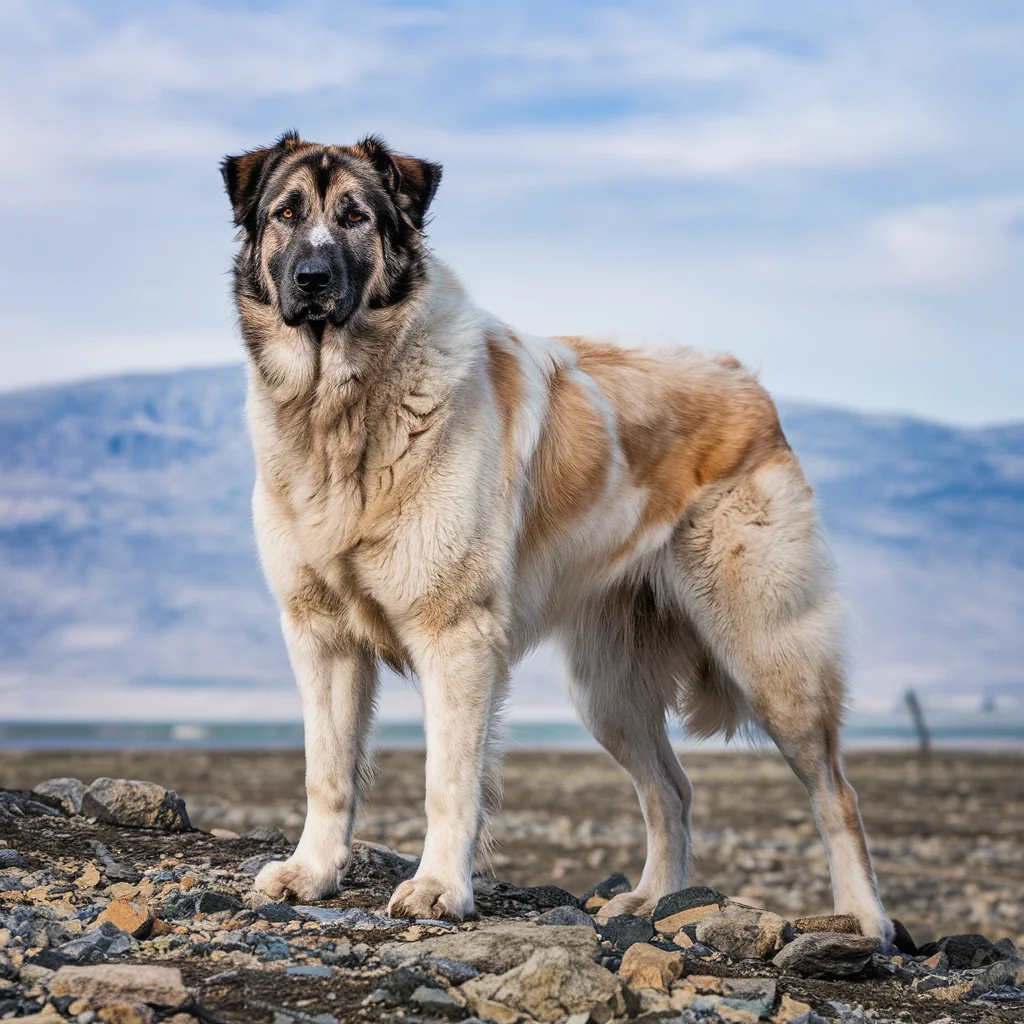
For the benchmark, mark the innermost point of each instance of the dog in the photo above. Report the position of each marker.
(439, 492)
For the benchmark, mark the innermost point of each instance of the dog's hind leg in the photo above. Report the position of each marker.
(622, 685)
(755, 577)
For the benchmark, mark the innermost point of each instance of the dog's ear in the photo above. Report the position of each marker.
(412, 182)
(243, 175)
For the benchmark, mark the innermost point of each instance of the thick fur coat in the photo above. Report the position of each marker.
(440, 492)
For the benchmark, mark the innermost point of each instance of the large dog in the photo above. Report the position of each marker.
(440, 492)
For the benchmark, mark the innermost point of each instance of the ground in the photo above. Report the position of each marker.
(946, 836)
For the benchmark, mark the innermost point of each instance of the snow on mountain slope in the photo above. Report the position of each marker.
(129, 582)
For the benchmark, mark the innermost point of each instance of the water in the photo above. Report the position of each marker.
(949, 730)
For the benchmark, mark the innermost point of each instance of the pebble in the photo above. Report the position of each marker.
(970, 951)
(277, 912)
(310, 970)
(594, 899)
(437, 1002)
(135, 804)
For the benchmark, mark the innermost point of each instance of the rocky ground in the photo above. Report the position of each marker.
(124, 913)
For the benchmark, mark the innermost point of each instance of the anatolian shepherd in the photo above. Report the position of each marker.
(440, 492)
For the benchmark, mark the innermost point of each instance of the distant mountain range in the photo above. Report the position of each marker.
(129, 585)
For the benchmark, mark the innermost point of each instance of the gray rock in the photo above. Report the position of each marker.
(310, 970)
(135, 804)
(503, 899)
(966, 951)
(550, 986)
(371, 862)
(565, 915)
(999, 974)
(134, 983)
(277, 913)
(756, 995)
(12, 859)
(743, 933)
(10, 883)
(354, 918)
(321, 914)
(456, 971)
(266, 834)
(687, 899)
(495, 949)
(252, 866)
(66, 791)
(35, 926)
(625, 930)
(106, 941)
(437, 1002)
(827, 955)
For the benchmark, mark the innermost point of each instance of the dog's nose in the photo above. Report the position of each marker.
(312, 275)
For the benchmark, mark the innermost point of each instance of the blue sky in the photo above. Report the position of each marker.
(833, 192)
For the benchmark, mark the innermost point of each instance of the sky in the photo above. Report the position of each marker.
(834, 192)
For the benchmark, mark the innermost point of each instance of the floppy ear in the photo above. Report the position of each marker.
(412, 182)
(244, 174)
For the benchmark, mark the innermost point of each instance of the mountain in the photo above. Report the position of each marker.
(129, 584)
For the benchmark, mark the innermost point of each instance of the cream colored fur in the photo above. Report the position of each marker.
(416, 501)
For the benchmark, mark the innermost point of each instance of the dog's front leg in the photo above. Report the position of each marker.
(337, 684)
(462, 674)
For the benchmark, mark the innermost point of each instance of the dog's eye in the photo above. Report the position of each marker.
(287, 213)
(354, 217)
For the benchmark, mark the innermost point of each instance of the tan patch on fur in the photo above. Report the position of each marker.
(507, 380)
(681, 426)
(571, 463)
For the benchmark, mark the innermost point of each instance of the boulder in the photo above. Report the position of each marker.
(742, 933)
(130, 983)
(827, 955)
(551, 985)
(135, 804)
(496, 949)
(65, 791)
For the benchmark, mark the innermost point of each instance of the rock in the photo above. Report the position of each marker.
(594, 899)
(277, 913)
(179, 904)
(502, 899)
(845, 924)
(827, 955)
(1005, 972)
(625, 930)
(132, 983)
(688, 899)
(951, 993)
(135, 804)
(742, 933)
(437, 1002)
(265, 834)
(750, 995)
(790, 1010)
(371, 862)
(1009, 949)
(645, 966)
(565, 915)
(95, 945)
(134, 918)
(495, 949)
(310, 971)
(456, 971)
(126, 1013)
(67, 792)
(552, 984)
(970, 951)
(12, 859)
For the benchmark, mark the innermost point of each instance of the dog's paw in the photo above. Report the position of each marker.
(638, 904)
(430, 897)
(301, 880)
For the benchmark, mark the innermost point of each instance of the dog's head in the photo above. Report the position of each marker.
(329, 230)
